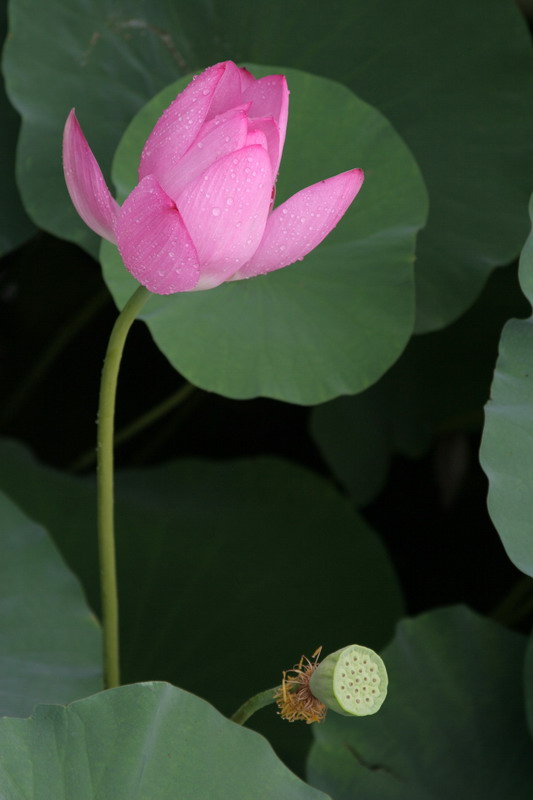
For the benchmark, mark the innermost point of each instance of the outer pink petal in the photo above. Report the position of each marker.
(154, 242)
(302, 222)
(270, 98)
(213, 142)
(228, 92)
(225, 211)
(85, 182)
(179, 125)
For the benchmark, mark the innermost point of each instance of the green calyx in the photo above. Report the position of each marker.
(352, 681)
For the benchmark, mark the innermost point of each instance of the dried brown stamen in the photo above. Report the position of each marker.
(294, 698)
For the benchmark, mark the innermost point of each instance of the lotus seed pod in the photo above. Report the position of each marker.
(352, 681)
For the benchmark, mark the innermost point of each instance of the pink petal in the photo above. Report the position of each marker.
(154, 242)
(85, 182)
(179, 125)
(270, 98)
(216, 122)
(228, 92)
(247, 79)
(256, 137)
(225, 211)
(302, 222)
(270, 129)
(213, 142)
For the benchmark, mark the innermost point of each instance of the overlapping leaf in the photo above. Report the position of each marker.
(145, 741)
(440, 383)
(507, 446)
(254, 561)
(50, 650)
(453, 723)
(454, 79)
(15, 227)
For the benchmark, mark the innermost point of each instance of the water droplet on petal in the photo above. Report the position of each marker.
(215, 212)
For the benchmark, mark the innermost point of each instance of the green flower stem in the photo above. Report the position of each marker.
(254, 704)
(139, 424)
(106, 526)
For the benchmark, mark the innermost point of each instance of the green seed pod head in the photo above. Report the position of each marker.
(352, 681)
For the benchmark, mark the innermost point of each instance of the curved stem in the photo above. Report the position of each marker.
(106, 527)
(254, 704)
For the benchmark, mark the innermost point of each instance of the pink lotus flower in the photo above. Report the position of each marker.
(201, 213)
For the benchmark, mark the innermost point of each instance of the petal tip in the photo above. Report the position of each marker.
(85, 182)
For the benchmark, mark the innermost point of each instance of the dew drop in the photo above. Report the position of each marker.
(215, 212)
(229, 201)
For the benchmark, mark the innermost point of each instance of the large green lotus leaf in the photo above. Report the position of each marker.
(507, 446)
(15, 227)
(50, 648)
(453, 723)
(440, 383)
(148, 741)
(330, 325)
(257, 561)
(455, 79)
